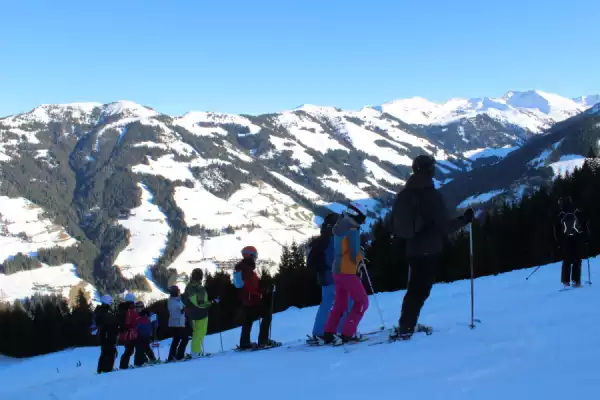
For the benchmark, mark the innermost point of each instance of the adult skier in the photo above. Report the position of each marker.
(571, 230)
(107, 329)
(256, 302)
(348, 255)
(419, 216)
(320, 259)
(197, 305)
(128, 335)
(178, 325)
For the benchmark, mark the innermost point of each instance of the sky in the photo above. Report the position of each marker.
(265, 56)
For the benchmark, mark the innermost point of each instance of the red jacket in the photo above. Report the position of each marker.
(250, 294)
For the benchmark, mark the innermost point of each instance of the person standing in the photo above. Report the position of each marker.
(107, 330)
(420, 217)
(348, 255)
(146, 327)
(197, 305)
(571, 231)
(255, 301)
(128, 320)
(178, 325)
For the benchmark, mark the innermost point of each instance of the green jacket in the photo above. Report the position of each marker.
(196, 301)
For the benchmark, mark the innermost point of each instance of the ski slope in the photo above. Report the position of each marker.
(534, 342)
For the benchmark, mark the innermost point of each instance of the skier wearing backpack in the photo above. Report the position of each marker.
(178, 325)
(197, 305)
(255, 302)
(320, 259)
(348, 255)
(128, 320)
(107, 329)
(419, 216)
(570, 233)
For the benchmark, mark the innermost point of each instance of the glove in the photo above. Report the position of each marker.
(469, 215)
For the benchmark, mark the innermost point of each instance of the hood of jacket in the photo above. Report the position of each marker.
(344, 224)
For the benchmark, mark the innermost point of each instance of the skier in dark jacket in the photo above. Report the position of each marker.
(255, 301)
(146, 327)
(571, 231)
(107, 325)
(420, 210)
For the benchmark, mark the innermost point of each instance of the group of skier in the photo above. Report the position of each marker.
(418, 216)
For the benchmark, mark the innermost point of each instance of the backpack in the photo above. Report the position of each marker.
(315, 258)
(129, 326)
(570, 224)
(238, 281)
(407, 222)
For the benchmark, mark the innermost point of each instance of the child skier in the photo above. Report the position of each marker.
(178, 325)
(128, 320)
(348, 255)
(197, 305)
(146, 327)
(255, 302)
(107, 330)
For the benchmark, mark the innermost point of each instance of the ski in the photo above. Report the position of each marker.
(420, 328)
(258, 348)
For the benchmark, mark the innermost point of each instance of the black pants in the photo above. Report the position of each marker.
(423, 271)
(571, 267)
(129, 349)
(108, 353)
(250, 314)
(179, 343)
(143, 352)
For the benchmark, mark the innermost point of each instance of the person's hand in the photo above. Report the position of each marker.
(469, 215)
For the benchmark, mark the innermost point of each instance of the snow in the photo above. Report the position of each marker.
(381, 174)
(192, 119)
(567, 164)
(589, 101)
(534, 110)
(165, 166)
(480, 198)
(489, 152)
(149, 229)
(309, 194)
(446, 164)
(128, 108)
(338, 183)
(45, 280)
(299, 153)
(549, 351)
(302, 129)
(19, 215)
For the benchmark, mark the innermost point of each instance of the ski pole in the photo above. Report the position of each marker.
(588, 263)
(363, 267)
(271, 311)
(534, 271)
(473, 320)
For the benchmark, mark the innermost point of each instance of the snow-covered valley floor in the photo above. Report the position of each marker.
(534, 342)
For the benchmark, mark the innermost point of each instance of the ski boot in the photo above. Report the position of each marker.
(270, 343)
(576, 284)
(401, 334)
(312, 340)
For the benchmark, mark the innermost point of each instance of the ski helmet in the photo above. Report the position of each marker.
(249, 251)
(174, 291)
(357, 211)
(197, 275)
(424, 164)
(106, 299)
(130, 297)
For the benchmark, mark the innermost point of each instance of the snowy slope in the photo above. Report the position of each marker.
(533, 342)
(534, 110)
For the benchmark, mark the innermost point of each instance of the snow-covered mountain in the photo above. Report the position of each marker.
(533, 110)
(120, 196)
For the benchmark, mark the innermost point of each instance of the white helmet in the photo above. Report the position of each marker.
(130, 297)
(106, 299)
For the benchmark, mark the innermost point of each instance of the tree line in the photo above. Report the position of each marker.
(513, 236)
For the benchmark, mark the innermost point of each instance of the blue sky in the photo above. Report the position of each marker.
(262, 56)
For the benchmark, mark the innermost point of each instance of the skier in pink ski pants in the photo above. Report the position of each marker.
(348, 256)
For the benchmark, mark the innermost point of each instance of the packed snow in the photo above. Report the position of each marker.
(23, 229)
(46, 280)
(148, 230)
(567, 164)
(533, 342)
(480, 198)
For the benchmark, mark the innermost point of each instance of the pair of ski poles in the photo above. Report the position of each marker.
(589, 282)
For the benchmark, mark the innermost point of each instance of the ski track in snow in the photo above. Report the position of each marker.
(534, 342)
